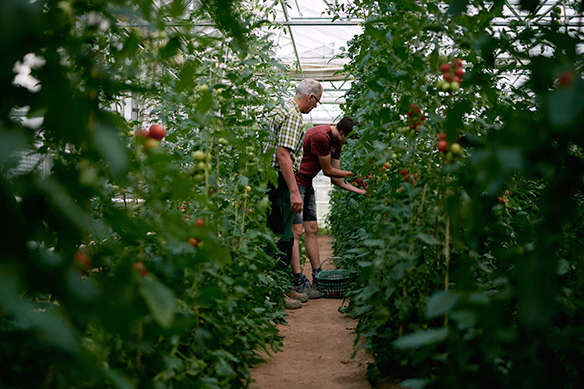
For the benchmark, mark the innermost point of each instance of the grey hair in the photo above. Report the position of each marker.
(308, 87)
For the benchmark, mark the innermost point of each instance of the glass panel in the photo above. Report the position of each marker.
(321, 210)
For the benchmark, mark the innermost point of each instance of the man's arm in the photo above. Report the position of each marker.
(283, 155)
(330, 170)
(340, 182)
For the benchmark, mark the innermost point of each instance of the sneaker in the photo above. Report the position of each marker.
(294, 295)
(302, 285)
(291, 303)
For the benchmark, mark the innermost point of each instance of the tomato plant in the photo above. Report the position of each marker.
(100, 286)
(462, 284)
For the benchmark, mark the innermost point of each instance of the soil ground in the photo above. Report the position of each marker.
(318, 344)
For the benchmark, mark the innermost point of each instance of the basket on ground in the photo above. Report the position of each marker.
(332, 283)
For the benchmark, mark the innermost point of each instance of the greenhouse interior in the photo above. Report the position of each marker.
(158, 230)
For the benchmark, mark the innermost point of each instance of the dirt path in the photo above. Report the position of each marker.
(318, 345)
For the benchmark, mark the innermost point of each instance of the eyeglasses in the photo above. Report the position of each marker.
(317, 100)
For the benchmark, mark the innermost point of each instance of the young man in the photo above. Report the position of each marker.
(322, 150)
(288, 137)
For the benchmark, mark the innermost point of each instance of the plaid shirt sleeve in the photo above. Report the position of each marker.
(288, 130)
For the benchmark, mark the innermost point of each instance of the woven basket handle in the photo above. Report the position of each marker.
(323, 262)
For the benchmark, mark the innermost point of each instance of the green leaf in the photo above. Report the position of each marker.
(118, 379)
(440, 303)
(171, 48)
(457, 6)
(160, 300)
(563, 267)
(112, 149)
(429, 239)
(374, 242)
(176, 8)
(565, 104)
(421, 338)
(186, 78)
(205, 103)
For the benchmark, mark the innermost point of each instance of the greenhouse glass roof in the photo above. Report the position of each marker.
(312, 39)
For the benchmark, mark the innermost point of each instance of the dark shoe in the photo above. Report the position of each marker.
(302, 285)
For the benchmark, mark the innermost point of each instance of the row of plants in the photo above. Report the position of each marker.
(468, 244)
(135, 258)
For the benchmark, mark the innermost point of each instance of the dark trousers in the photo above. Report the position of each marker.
(280, 219)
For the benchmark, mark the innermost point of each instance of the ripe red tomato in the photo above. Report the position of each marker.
(142, 133)
(456, 79)
(565, 78)
(140, 266)
(445, 68)
(193, 242)
(82, 258)
(459, 72)
(200, 222)
(447, 77)
(442, 146)
(157, 131)
(404, 172)
(457, 63)
(441, 136)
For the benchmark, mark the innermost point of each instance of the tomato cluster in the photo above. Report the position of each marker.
(415, 117)
(452, 75)
(151, 138)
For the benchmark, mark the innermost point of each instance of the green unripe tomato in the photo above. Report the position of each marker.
(454, 86)
(198, 178)
(449, 156)
(442, 59)
(223, 141)
(455, 148)
(88, 176)
(203, 88)
(130, 133)
(199, 155)
(202, 166)
(444, 85)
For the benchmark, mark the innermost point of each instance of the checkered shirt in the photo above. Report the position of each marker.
(287, 131)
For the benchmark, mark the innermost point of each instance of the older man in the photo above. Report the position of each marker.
(287, 140)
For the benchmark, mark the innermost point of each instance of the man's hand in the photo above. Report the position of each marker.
(296, 204)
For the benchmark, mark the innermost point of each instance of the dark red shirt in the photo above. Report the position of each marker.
(317, 141)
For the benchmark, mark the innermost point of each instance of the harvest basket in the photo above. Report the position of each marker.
(333, 283)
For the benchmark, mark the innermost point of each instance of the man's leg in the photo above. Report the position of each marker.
(280, 222)
(297, 229)
(301, 283)
(311, 243)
